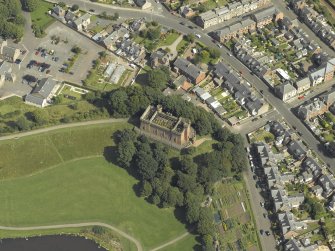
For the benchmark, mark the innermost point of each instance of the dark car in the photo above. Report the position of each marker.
(30, 78)
(261, 231)
(267, 233)
(91, 10)
(182, 23)
(190, 26)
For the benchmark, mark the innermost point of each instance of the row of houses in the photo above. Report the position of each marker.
(320, 182)
(230, 81)
(289, 89)
(315, 21)
(316, 107)
(248, 24)
(73, 19)
(231, 10)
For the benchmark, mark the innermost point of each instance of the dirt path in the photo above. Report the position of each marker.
(52, 128)
(171, 242)
(87, 224)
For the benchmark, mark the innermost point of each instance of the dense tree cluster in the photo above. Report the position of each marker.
(186, 183)
(129, 101)
(11, 19)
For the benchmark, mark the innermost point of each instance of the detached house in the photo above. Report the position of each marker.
(194, 74)
(159, 58)
(81, 23)
(43, 92)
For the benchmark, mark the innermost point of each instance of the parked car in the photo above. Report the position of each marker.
(261, 231)
(267, 233)
(198, 35)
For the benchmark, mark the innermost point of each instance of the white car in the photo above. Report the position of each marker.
(198, 35)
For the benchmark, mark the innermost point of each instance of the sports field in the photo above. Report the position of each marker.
(62, 177)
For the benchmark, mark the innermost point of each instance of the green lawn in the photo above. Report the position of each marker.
(86, 190)
(44, 150)
(182, 46)
(39, 17)
(170, 38)
(187, 243)
(61, 177)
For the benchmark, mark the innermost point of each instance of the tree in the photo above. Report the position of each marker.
(23, 123)
(98, 230)
(192, 206)
(125, 152)
(57, 99)
(188, 166)
(30, 5)
(207, 242)
(146, 189)
(214, 53)
(117, 101)
(154, 34)
(203, 57)
(158, 78)
(155, 199)
(147, 165)
(174, 197)
(205, 224)
(186, 182)
(76, 49)
(75, 7)
(189, 38)
(62, 4)
(40, 117)
(202, 126)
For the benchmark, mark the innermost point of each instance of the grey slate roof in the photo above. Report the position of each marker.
(41, 91)
(187, 67)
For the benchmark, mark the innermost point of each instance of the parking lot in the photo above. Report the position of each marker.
(55, 50)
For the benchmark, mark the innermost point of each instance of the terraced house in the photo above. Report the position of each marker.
(231, 10)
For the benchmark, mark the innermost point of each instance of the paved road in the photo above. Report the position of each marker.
(267, 242)
(52, 128)
(86, 224)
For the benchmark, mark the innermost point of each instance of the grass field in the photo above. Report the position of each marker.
(41, 151)
(95, 191)
(40, 17)
(69, 162)
(188, 243)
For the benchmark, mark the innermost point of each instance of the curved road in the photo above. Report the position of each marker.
(62, 126)
(87, 224)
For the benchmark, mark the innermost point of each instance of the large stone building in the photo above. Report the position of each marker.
(164, 127)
